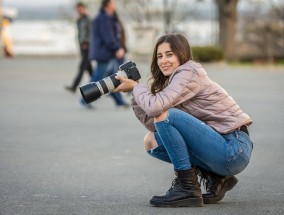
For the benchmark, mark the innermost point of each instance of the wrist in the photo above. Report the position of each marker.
(134, 84)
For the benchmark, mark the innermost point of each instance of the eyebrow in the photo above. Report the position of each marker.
(165, 52)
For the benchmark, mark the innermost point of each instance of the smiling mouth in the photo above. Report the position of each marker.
(166, 67)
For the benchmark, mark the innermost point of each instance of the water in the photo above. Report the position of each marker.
(59, 37)
(56, 37)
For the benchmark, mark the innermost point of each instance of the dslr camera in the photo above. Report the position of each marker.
(94, 90)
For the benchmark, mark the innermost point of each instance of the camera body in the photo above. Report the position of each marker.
(94, 90)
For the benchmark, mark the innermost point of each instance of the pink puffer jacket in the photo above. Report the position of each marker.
(191, 90)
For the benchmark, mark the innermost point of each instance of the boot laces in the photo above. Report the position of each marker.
(175, 182)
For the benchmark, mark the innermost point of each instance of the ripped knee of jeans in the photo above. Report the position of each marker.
(159, 153)
(163, 116)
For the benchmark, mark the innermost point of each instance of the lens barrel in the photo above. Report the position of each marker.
(94, 90)
(90, 92)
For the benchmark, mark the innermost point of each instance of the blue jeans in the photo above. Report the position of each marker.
(183, 140)
(104, 69)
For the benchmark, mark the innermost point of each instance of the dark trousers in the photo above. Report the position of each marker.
(85, 65)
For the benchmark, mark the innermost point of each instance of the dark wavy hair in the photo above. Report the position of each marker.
(180, 47)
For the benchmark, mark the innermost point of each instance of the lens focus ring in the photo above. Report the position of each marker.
(109, 84)
(100, 88)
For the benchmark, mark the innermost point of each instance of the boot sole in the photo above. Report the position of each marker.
(190, 202)
(228, 185)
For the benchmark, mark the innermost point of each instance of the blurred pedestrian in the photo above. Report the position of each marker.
(5, 37)
(83, 26)
(193, 124)
(108, 45)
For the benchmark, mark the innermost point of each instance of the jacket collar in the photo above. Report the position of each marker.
(183, 66)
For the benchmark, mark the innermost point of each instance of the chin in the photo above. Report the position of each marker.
(167, 73)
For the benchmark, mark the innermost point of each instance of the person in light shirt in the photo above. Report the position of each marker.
(6, 38)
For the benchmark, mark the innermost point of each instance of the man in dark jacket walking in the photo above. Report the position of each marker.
(107, 45)
(83, 25)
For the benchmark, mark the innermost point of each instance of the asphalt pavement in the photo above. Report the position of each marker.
(56, 157)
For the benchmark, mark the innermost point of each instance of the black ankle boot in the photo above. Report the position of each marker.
(216, 185)
(185, 191)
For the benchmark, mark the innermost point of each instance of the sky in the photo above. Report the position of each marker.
(35, 2)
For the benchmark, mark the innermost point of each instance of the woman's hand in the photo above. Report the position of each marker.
(126, 85)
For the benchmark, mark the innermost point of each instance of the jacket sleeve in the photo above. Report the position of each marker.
(183, 86)
(85, 30)
(143, 117)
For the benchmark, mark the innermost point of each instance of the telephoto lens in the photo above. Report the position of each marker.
(94, 90)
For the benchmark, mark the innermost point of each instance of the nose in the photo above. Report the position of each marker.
(164, 59)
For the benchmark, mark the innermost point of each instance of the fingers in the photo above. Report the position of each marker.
(119, 88)
(126, 84)
(120, 78)
(116, 90)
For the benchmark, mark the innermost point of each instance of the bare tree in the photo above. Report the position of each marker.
(175, 12)
(277, 10)
(139, 12)
(170, 11)
(227, 16)
(262, 32)
(145, 13)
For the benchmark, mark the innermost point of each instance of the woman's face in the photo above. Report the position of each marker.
(166, 59)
